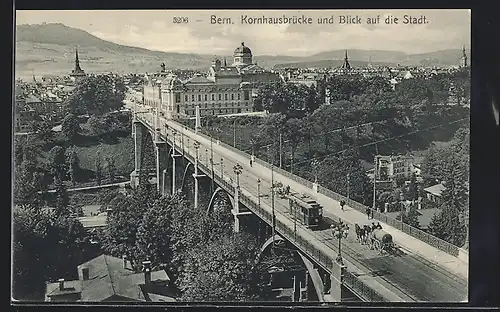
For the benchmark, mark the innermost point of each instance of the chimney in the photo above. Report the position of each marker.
(61, 284)
(124, 261)
(147, 272)
(85, 274)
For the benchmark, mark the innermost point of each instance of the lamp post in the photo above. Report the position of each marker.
(174, 133)
(315, 169)
(234, 133)
(258, 191)
(272, 193)
(338, 233)
(348, 185)
(212, 160)
(238, 169)
(196, 145)
(222, 168)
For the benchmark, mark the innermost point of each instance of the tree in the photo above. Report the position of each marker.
(99, 125)
(446, 225)
(96, 95)
(413, 188)
(110, 161)
(154, 232)
(62, 198)
(73, 165)
(293, 135)
(70, 126)
(410, 217)
(221, 271)
(57, 162)
(98, 169)
(44, 131)
(45, 247)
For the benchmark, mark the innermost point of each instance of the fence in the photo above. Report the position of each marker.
(405, 228)
(318, 255)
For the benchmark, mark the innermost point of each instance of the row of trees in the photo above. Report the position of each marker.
(47, 244)
(206, 260)
(449, 164)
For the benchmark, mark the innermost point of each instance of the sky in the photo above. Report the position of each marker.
(155, 30)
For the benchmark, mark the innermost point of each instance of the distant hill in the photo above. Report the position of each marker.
(49, 49)
(359, 58)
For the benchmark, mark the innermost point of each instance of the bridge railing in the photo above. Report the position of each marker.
(318, 255)
(405, 228)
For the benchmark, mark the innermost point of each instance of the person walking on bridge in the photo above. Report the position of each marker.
(368, 212)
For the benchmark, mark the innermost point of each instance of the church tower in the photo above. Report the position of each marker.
(463, 59)
(78, 74)
(346, 65)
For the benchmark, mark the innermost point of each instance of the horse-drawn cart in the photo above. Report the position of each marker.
(382, 241)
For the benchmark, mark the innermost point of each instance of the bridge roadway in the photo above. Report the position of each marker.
(397, 278)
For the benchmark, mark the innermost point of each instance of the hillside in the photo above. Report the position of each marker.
(329, 63)
(48, 49)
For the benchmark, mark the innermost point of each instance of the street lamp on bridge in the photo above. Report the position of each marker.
(238, 169)
(315, 165)
(196, 145)
(222, 168)
(258, 190)
(339, 232)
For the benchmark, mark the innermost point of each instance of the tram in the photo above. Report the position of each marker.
(306, 209)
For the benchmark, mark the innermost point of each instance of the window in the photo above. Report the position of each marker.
(199, 97)
(246, 95)
(192, 97)
(206, 97)
(239, 96)
(225, 97)
(178, 109)
(219, 104)
(177, 97)
(213, 97)
(220, 97)
(205, 105)
(232, 97)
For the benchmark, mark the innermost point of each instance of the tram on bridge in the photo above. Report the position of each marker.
(306, 209)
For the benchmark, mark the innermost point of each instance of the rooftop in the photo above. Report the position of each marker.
(108, 278)
(436, 189)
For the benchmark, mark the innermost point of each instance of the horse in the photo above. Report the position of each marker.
(368, 231)
(359, 232)
(345, 232)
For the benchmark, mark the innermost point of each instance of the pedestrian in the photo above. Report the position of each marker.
(342, 203)
(368, 212)
(251, 162)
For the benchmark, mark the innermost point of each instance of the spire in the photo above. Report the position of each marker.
(346, 64)
(225, 63)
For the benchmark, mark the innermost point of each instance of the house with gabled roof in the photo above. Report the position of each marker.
(111, 279)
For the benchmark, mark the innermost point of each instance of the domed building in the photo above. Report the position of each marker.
(223, 90)
(242, 56)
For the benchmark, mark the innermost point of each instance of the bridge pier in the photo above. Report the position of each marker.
(174, 155)
(160, 154)
(138, 134)
(197, 176)
(336, 280)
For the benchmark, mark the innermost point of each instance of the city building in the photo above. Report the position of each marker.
(225, 89)
(77, 74)
(393, 167)
(110, 279)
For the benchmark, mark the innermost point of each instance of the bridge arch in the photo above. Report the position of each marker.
(313, 273)
(184, 174)
(212, 199)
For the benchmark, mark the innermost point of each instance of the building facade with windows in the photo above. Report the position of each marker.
(223, 90)
(393, 167)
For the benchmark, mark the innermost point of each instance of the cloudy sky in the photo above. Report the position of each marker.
(446, 29)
